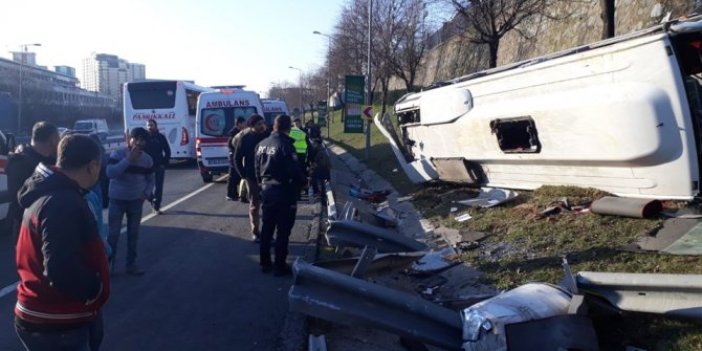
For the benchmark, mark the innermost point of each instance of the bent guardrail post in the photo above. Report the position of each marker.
(366, 259)
(672, 294)
(357, 234)
(343, 299)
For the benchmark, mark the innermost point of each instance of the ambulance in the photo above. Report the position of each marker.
(272, 108)
(217, 112)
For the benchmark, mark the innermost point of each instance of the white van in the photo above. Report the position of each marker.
(216, 116)
(92, 126)
(272, 108)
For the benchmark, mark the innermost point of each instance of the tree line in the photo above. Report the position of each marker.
(400, 30)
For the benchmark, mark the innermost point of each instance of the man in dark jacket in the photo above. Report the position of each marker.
(157, 147)
(244, 159)
(21, 165)
(234, 177)
(280, 177)
(61, 262)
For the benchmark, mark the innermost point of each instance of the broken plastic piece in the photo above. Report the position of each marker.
(490, 197)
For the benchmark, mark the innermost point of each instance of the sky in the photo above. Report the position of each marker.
(213, 42)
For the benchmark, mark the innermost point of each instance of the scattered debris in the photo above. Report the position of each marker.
(454, 209)
(374, 197)
(627, 207)
(317, 343)
(484, 323)
(436, 261)
(467, 245)
(490, 197)
(464, 217)
(405, 198)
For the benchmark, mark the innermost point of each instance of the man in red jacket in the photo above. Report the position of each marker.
(64, 279)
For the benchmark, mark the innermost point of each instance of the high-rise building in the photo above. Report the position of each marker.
(106, 74)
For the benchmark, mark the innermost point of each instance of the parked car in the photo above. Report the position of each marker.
(7, 144)
(92, 126)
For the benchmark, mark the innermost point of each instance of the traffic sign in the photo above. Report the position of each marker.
(368, 112)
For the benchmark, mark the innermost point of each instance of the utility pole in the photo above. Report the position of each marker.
(369, 96)
(328, 79)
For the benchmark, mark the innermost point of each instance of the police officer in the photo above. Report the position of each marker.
(280, 178)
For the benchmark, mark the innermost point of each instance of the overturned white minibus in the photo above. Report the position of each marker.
(621, 115)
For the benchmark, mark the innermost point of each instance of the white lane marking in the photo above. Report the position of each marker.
(12, 287)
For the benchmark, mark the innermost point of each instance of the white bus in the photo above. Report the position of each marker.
(172, 104)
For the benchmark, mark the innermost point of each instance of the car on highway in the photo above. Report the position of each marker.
(92, 126)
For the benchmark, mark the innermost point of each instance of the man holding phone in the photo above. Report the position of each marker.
(131, 182)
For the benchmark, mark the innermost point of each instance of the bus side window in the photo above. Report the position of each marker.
(191, 96)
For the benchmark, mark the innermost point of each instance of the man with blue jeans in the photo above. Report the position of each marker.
(157, 147)
(131, 182)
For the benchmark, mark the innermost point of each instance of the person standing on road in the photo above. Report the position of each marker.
(280, 177)
(157, 147)
(61, 261)
(234, 177)
(244, 160)
(300, 143)
(131, 182)
(21, 165)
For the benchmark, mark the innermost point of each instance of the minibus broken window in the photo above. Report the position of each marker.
(516, 135)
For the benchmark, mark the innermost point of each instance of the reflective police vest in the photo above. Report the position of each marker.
(300, 138)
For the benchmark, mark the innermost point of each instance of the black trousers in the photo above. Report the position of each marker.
(159, 176)
(233, 183)
(280, 216)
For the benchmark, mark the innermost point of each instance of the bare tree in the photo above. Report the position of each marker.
(489, 20)
(607, 16)
(411, 41)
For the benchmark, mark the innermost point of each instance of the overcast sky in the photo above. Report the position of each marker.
(214, 42)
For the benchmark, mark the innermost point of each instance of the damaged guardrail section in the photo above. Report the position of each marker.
(337, 297)
(670, 294)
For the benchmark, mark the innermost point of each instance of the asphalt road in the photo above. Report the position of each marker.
(202, 290)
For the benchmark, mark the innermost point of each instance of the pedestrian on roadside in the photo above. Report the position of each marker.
(313, 131)
(131, 182)
(61, 261)
(157, 147)
(244, 160)
(234, 177)
(21, 165)
(280, 178)
(300, 143)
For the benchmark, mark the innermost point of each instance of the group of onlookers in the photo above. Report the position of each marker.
(64, 252)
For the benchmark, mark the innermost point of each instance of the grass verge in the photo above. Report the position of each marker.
(522, 248)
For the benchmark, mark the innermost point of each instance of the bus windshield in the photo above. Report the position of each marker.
(219, 121)
(152, 95)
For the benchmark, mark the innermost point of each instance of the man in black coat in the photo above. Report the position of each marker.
(234, 177)
(21, 165)
(157, 147)
(280, 178)
(244, 156)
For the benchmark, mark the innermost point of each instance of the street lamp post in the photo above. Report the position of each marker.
(23, 56)
(302, 108)
(328, 78)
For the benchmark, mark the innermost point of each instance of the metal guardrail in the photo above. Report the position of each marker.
(670, 294)
(357, 234)
(340, 298)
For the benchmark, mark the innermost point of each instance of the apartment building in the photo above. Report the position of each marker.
(106, 73)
